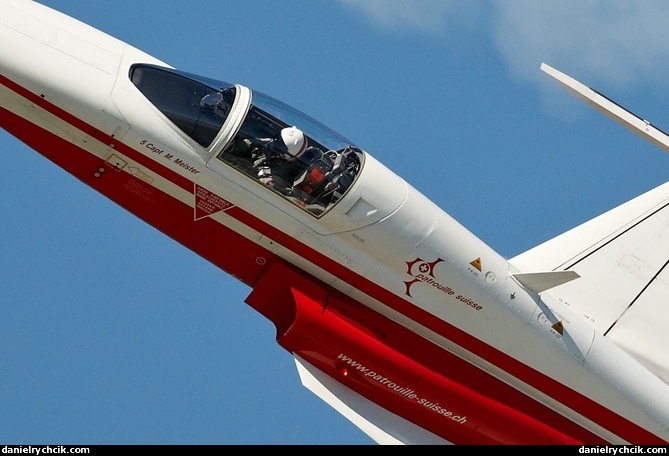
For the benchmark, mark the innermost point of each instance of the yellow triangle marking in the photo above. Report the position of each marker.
(558, 327)
(476, 263)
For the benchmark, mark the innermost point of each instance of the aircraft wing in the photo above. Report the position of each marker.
(621, 257)
(381, 425)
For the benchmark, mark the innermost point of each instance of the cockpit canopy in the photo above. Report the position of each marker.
(243, 129)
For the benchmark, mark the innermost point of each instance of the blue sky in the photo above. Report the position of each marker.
(114, 334)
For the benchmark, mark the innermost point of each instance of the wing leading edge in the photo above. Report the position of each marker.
(621, 256)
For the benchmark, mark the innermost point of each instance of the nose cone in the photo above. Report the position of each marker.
(54, 60)
(56, 56)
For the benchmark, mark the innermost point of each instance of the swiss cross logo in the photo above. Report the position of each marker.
(422, 271)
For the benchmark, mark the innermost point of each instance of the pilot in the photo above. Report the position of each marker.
(295, 141)
(284, 163)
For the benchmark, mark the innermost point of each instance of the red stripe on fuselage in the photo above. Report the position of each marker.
(249, 252)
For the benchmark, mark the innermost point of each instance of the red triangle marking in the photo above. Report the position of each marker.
(207, 203)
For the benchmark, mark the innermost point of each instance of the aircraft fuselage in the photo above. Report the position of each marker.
(366, 280)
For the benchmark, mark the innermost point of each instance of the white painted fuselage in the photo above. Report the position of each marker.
(383, 292)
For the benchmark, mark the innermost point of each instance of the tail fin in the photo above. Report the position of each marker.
(622, 257)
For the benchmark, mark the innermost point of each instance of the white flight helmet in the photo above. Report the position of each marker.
(294, 140)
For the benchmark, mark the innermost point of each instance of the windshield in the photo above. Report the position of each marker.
(269, 141)
(180, 96)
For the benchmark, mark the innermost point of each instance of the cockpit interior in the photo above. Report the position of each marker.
(270, 142)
